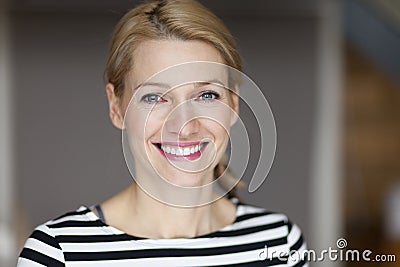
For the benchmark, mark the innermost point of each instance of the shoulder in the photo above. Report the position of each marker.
(279, 232)
(43, 246)
(257, 215)
(70, 223)
(82, 217)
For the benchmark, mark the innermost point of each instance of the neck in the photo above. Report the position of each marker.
(159, 220)
(136, 213)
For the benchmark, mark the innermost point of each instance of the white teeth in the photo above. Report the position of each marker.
(179, 151)
(186, 151)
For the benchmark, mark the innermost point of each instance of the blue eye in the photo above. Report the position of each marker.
(209, 96)
(152, 98)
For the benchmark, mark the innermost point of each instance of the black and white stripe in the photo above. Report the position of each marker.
(80, 238)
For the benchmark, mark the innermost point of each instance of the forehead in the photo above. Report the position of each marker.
(153, 56)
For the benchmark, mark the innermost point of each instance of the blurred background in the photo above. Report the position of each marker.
(330, 70)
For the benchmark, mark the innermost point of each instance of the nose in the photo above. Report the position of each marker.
(182, 122)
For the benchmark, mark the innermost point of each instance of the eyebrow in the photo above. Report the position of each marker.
(155, 84)
(167, 86)
(213, 81)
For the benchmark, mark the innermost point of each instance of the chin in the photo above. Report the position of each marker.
(185, 179)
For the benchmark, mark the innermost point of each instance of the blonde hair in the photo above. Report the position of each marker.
(168, 20)
(163, 20)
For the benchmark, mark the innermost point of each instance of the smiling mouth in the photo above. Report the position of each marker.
(181, 151)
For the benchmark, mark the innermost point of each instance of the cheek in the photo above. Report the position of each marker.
(143, 125)
(220, 121)
(219, 130)
(134, 130)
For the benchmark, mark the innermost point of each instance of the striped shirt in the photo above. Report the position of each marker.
(257, 237)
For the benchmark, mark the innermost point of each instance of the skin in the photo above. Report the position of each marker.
(158, 220)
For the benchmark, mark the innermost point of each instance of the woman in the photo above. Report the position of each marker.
(177, 136)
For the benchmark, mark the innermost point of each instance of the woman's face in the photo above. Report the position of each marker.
(181, 132)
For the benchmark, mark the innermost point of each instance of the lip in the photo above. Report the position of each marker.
(182, 144)
(191, 157)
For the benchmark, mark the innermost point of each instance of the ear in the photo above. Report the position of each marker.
(114, 103)
(235, 106)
